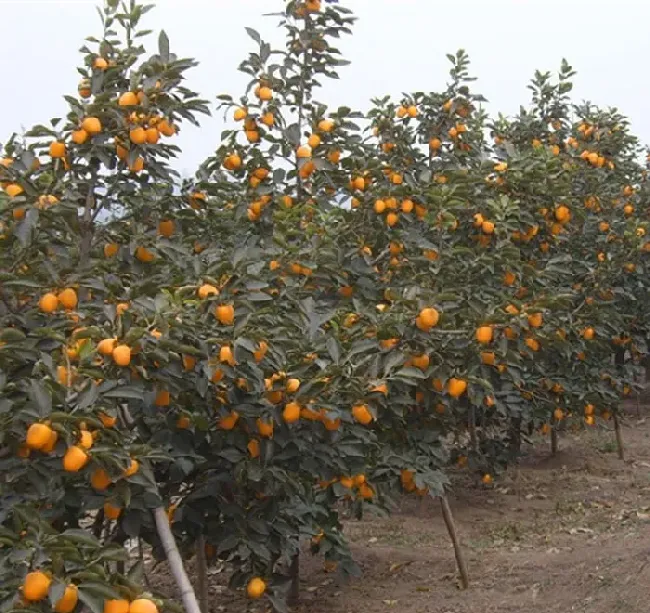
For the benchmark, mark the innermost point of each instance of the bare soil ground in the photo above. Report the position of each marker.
(564, 533)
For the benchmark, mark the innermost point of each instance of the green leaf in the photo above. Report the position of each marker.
(40, 396)
(163, 47)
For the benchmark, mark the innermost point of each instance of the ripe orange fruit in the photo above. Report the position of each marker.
(57, 149)
(392, 219)
(325, 125)
(143, 605)
(75, 459)
(487, 479)
(362, 414)
(207, 290)
(13, 189)
(116, 606)
(240, 114)
(255, 588)
(558, 414)
(484, 334)
(36, 586)
(407, 205)
(253, 448)
(365, 491)
(85, 439)
(121, 308)
(111, 512)
(106, 346)
(68, 298)
(92, 125)
(84, 88)
(48, 303)
(532, 344)
(589, 334)
(435, 143)
(427, 319)
(225, 313)
(68, 601)
(137, 165)
(421, 361)
(122, 355)
(152, 136)
(138, 136)
(488, 358)
(183, 422)
(265, 428)
(38, 436)
(268, 119)
(535, 320)
(589, 409)
(291, 412)
(144, 255)
(229, 421)
(562, 213)
(128, 99)
(292, 385)
(51, 443)
(487, 227)
(264, 93)
(303, 152)
(166, 128)
(313, 141)
(189, 362)
(100, 479)
(163, 398)
(166, 228)
(132, 468)
(62, 375)
(111, 249)
(226, 355)
(100, 63)
(456, 387)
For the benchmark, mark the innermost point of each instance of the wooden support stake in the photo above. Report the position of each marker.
(619, 438)
(451, 528)
(176, 567)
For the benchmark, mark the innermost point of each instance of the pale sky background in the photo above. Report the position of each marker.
(397, 46)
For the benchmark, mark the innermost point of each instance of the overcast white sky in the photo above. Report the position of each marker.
(398, 45)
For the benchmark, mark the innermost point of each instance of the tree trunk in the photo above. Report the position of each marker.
(294, 574)
(202, 574)
(554, 445)
(451, 528)
(471, 425)
(176, 567)
(515, 436)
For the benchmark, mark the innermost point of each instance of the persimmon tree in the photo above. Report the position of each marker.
(340, 307)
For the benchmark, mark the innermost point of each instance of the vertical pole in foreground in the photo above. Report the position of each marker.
(176, 567)
(451, 528)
